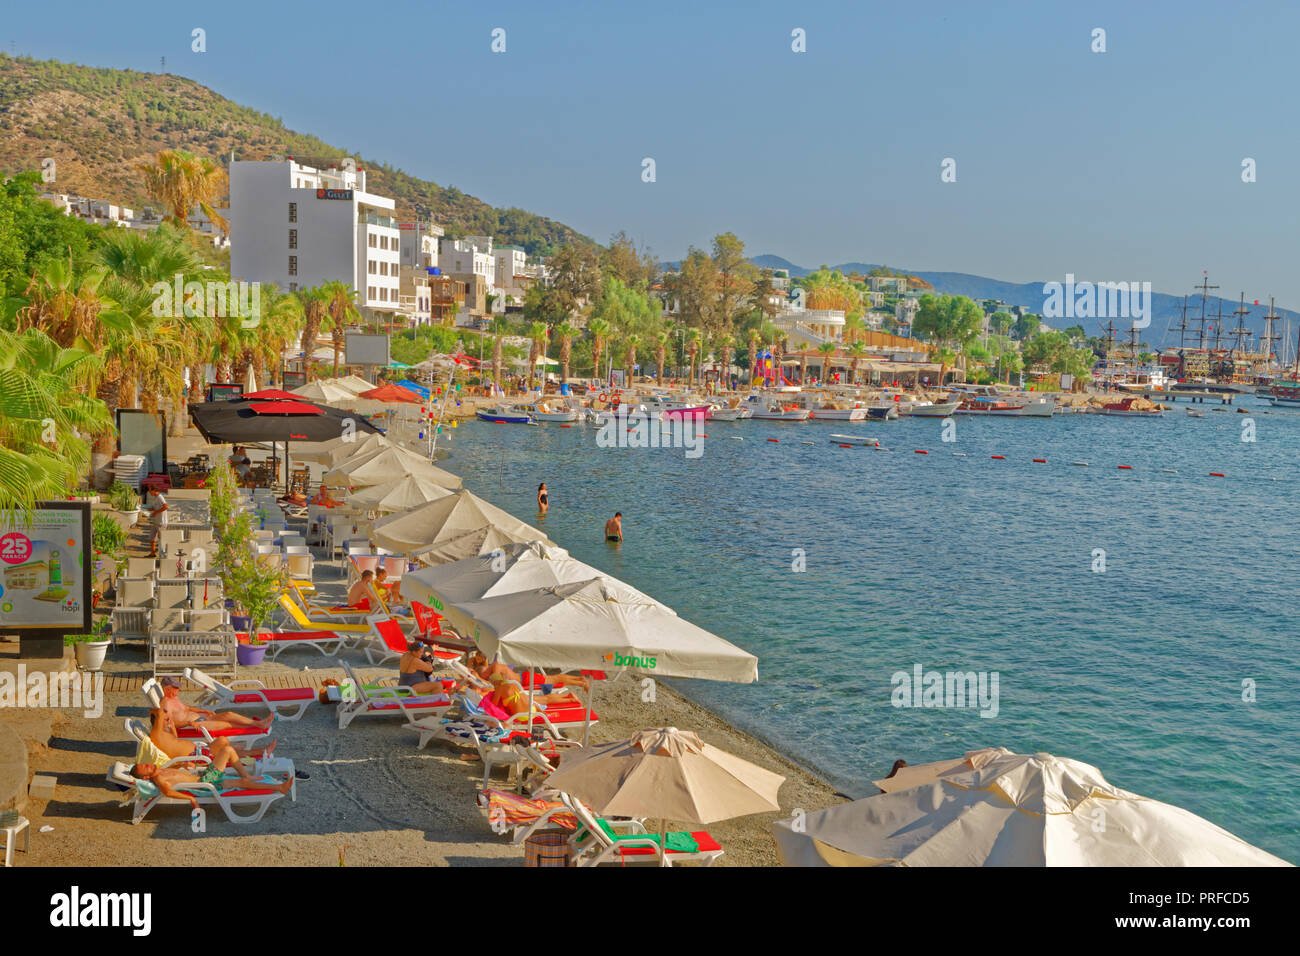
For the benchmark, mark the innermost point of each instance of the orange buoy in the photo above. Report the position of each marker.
(1125, 467)
(922, 451)
(1041, 460)
(999, 457)
(1217, 474)
(774, 439)
(846, 446)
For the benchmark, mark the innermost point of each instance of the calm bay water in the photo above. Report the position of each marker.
(970, 564)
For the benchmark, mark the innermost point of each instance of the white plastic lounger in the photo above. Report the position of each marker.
(244, 736)
(144, 796)
(386, 702)
(246, 693)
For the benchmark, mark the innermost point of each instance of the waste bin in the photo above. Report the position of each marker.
(547, 848)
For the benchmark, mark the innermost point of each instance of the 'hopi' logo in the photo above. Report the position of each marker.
(618, 660)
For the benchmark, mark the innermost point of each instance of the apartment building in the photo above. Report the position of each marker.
(469, 256)
(300, 226)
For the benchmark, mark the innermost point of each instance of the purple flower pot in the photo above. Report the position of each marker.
(250, 655)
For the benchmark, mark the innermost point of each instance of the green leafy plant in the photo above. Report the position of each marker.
(99, 631)
(109, 539)
(123, 497)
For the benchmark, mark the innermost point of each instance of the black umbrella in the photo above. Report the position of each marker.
(241, 420)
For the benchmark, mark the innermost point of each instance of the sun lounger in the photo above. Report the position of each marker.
(387, 702)
(597, 841)
(137, 731)
(387, 640)
(144, 796)
(329, 643)
(522, 816)
(300, 618)
(246, 737)
(289, 702)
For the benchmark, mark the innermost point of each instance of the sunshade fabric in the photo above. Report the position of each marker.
(668, 774)
(385, 464)
(223, 423)
(585, 625)
(1013, 810)
(446, 519)
(402, 494)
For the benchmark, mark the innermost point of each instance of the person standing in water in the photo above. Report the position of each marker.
(543, 499)
(614, 527)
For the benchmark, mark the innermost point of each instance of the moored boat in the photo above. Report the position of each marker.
(503, 415)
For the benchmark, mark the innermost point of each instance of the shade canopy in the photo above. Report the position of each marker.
(415, 387)
(517, 567)
(404, 493)
(586, 625)
(669, 774)
(325, 390)
(339, 450)
(230, 422)
(384, 465)
(392, 394)
(1008, 809)
(462, 515)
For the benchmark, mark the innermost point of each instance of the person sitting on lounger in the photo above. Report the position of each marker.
(511, 697)
(182, 715)
(390, 591)
(324, 498)
(414, 669)
(359, 593)
(167, 780)
(163, 735)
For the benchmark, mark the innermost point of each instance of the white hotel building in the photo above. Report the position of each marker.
(298, 226)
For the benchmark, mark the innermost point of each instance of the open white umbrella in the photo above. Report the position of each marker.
(406, 492)
(667, 774)
(339, 450)
(1007, 809)
(385, 464)
(516, 567)
(585, 625)
(462, 515)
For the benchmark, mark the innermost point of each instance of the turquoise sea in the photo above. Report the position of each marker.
(966, 563)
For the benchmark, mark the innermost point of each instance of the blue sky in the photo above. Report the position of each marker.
(1123, 165)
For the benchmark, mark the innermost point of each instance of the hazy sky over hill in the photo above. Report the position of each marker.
(1123, 165)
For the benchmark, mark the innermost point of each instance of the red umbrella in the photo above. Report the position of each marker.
(391, 393)
(271, 395)
(285, 408)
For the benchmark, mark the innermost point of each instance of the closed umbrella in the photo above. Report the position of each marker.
(1008, 809)
(405, 493)
(446, 519)
(667, 774)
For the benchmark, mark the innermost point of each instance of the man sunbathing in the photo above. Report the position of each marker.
(163, 734)
(359, 593)
(479, 664)
(167, 780)
(182, 715)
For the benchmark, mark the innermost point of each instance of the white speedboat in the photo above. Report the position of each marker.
(776, 412)
(929, 409)
(548, 412)
(736, 414)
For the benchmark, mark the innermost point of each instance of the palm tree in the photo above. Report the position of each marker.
(803, 366)
(599, 330)
(565, 331)
(343, 310)
(853, 325)
(45, 409)
(726, 342)
(694, 342)
(181, 181)
(496, 360)
(629, 355)
(827, 349)
(662, 338)
(857, 350)
(537, 348)
(315, 306)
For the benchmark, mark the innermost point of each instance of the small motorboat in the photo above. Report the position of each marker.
(881, 413)
(855, 440)
(503, 415)
(548, 412)
(1126, 409)
(930, 409)
(1195, 413)
(775, 412)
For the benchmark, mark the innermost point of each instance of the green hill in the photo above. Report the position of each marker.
(98, 124)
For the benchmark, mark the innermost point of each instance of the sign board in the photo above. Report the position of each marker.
(334, 194)
(293, 380)
(220, 391)
(46, 569)
(141, 433)
(366, 348)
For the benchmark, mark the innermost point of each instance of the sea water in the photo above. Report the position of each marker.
(1141, 620)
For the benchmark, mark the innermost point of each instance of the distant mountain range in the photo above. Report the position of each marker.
(1166, 309)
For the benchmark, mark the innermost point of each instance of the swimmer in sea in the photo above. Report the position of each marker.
(543, 499)
(614, 527)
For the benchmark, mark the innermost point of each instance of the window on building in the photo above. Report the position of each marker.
(293, 212)
(293, 287)
(293, 238)
(372, 240)
(293, 265)
(370, 293)
(370, 267)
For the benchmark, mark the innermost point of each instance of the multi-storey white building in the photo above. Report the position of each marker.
(419, 244)
(299, 226)
(469, 256)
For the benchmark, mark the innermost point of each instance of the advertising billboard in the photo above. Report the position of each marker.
(366, 348)
(46, 569)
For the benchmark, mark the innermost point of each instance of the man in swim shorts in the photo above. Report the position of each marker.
(614, 527)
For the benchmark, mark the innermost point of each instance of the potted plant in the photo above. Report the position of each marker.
(254, 584)
(123, 499)
(90, 648)
(250, 653)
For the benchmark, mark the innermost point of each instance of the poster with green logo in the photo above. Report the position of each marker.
(45, 568)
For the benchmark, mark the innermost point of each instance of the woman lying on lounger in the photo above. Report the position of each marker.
(415, 667)
(478, 663)
(215, 773)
